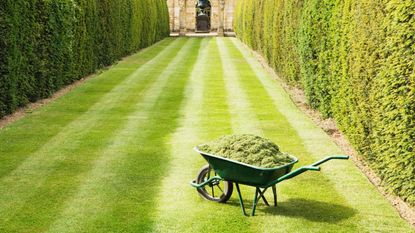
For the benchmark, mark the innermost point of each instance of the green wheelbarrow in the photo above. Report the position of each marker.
(215, 180)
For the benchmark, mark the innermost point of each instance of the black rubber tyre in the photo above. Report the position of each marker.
(219, 191)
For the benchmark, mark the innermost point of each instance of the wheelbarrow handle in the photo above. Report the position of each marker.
(296, 172)
(330, 158)
(312, 167)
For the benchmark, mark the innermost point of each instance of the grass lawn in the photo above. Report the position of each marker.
(116, 153)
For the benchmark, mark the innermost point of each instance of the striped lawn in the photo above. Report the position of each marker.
(115, 154)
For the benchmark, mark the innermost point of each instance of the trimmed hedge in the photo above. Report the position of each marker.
(356, 62)
(46, 44)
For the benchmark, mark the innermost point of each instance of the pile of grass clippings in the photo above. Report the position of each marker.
(249, 149)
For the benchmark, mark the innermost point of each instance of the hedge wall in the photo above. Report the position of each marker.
(46, 44)
(356, 62)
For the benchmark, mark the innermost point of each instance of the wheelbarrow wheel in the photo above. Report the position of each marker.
(218, 191)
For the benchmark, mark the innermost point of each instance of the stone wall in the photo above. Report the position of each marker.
(190, 14)
(174, 11)
(229, 12)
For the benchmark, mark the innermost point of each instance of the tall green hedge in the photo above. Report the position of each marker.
(46, 44)
(356, 62)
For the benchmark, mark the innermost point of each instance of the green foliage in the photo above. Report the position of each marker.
(355, 60)
(394, 98)
(46, 44)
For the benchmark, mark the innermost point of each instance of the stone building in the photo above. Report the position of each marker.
(184, 15)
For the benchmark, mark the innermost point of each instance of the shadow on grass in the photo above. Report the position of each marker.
(311, 210)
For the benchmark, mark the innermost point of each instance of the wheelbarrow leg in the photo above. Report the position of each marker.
(255, 201)
(261, 195)
(274, 191)
(241, 202)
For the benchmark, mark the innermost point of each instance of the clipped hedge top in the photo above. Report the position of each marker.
(249, 149)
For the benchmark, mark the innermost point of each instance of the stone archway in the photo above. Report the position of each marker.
(182, 15)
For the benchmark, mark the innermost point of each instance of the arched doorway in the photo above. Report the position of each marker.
(203, 16)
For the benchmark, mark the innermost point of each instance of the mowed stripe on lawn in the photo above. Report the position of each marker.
(174, 195)
(243, 118)
(216, 121)
(205, 117)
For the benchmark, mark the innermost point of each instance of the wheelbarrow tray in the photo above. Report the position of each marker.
(243, 173)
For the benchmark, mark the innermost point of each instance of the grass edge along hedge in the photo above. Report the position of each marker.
(355, 61)
(47, 44)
